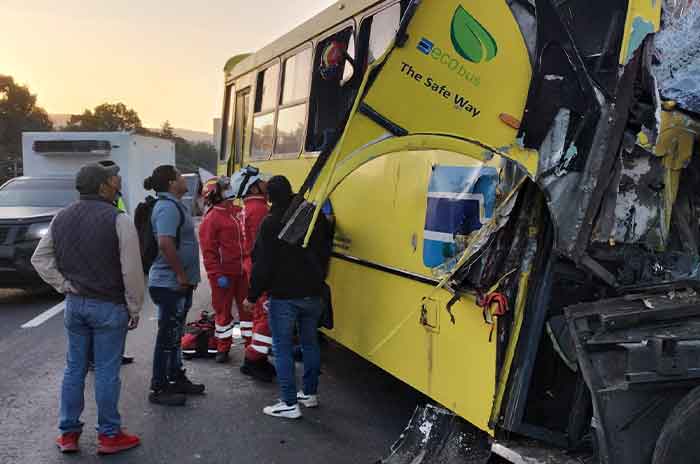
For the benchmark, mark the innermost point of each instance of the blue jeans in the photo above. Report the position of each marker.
(284, 316)
(101, 325)
(172, 307)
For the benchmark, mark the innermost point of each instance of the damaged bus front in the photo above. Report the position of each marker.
(587, 267)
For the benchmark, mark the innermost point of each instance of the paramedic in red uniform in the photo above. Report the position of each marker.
(221, 236)
(250, 185)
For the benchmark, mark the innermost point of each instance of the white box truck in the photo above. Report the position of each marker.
(61, 154)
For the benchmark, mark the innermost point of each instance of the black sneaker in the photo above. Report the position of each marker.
(270, 368)
(245, 368)
(222, 357)
(184, 385)
(167, 397)
(262, 371)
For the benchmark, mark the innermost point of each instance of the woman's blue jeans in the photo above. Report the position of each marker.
(284, 316)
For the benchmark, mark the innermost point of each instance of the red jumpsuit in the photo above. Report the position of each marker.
(254, 211)
(221, 236)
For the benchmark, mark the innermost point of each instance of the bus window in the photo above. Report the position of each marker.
(291, 119)
(330, 99)
(264, 120)
(295, 87)
(263, 136)
(376, 33)
(226, 125)
(382, 29)
(266, 95)
(241, 124)
(349, 69)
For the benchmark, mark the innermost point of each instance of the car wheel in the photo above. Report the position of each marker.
(679, 441)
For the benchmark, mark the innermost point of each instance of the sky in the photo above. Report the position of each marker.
(163, 58)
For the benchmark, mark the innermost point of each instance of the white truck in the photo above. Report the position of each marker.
(61, 154)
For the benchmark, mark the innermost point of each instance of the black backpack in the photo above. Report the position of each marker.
(144, 228)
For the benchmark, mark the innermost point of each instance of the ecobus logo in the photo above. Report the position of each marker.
(471, 41)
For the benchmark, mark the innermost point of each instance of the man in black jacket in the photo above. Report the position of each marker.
(293, 277)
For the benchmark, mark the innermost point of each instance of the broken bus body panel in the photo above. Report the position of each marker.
(591, 171)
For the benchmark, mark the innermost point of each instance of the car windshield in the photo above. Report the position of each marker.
(38, 193)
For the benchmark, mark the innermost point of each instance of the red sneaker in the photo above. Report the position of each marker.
(120, 442)
(68, 442)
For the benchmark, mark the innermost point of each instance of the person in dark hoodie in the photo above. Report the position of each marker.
(293, 278)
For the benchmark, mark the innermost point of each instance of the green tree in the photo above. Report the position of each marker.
(189, 156)
(105, 117)
(166, 130)
(18, 113)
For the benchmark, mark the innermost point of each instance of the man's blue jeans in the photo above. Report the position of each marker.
(284, 316)
(172, 307)
(102, 325)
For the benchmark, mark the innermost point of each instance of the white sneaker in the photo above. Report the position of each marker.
(310, 401)
(281, 409)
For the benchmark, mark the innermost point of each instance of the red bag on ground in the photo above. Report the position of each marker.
(199, 339)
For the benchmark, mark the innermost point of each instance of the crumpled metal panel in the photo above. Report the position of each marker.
(634, 208)
(579, 142)
(483, 239)
(437, 436)
(678, 53)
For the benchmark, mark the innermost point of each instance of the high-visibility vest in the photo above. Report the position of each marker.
(120, 204)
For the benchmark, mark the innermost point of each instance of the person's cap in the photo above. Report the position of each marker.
(111, 166)
(92, 175)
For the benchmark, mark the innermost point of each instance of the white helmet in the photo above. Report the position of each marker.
(242, 180)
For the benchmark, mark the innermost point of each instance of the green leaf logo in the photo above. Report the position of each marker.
(471, 40)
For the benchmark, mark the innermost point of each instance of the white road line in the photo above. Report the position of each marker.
(45, 316)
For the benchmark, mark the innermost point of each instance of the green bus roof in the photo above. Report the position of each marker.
(234, 60)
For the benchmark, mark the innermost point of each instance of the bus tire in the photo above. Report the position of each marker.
(679, 440)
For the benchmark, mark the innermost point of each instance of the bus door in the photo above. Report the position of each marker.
(240, 126)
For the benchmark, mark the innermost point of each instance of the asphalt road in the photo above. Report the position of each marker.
(363, 410)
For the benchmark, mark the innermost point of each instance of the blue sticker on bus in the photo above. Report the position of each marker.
(461, 200)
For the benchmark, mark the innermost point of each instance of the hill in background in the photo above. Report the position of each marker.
(60, 120)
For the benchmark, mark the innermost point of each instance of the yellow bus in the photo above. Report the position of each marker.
(513, 195)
